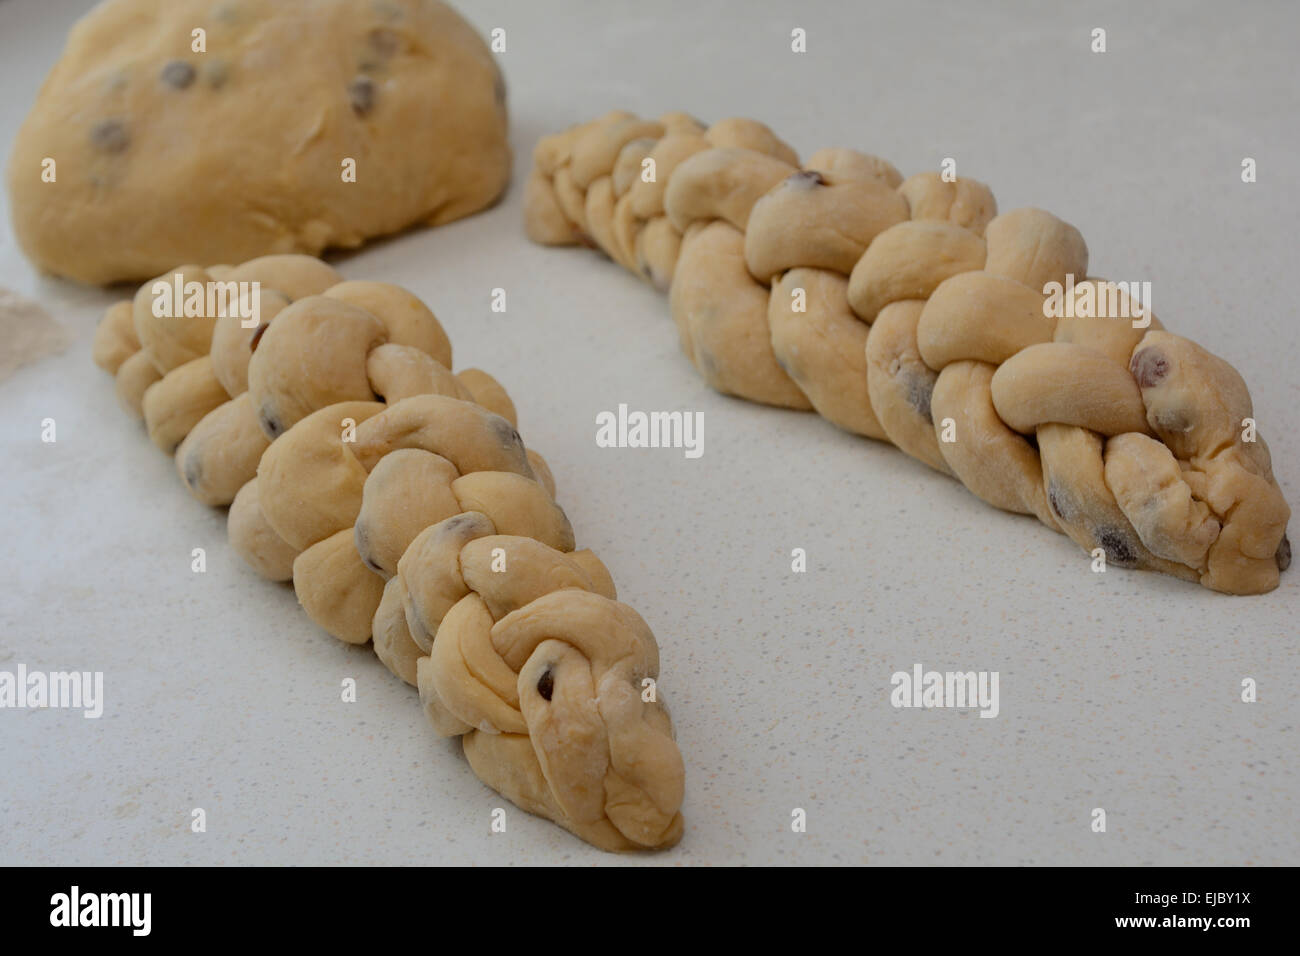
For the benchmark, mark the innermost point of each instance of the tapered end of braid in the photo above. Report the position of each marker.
(399, 499)
(909, 310)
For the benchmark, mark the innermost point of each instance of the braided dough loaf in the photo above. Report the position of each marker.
(167, 155)
(400, 500)
(922, 305)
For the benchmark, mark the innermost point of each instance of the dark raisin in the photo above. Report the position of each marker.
(507, 433)
(270, 422)
(1284, 554)
(1117, 546)
(546, 684)
(361, 94)
(919, 391)
(193, 471)
(110, 136)
(807, 177)
(178, 74)
(1054, 500)
(1149, 367)
(257, 336)
(459, 523)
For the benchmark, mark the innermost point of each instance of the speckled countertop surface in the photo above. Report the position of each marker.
(1118, 691)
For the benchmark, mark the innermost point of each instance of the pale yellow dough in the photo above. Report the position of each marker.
(400, 500)
(164, 155)
(911, 311)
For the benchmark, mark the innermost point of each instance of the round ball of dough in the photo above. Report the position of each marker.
(166, 149)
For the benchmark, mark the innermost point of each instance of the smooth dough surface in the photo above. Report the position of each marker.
(163, 155)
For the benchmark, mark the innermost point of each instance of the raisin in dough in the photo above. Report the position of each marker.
(922, 305)
(164, 155)
(394, 534)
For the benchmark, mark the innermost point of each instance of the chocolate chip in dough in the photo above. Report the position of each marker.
(546, 684)
(177, 74)
(361, 94)
(110, 136)
(1284, 554)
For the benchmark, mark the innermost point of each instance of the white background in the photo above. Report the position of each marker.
(1119, 690)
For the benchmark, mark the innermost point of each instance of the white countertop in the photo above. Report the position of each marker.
(1118, 691)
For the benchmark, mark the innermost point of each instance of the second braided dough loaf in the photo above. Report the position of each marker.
(910, 311)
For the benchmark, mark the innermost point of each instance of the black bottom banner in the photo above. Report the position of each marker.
(1174, 907)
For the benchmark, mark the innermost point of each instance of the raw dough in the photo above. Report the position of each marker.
(164, 155)
(912, 311)
(400, 500)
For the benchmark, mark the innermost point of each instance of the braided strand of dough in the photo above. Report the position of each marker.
(401, 502)
(920, 305)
